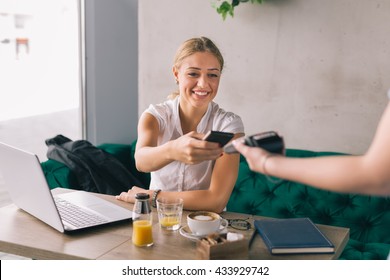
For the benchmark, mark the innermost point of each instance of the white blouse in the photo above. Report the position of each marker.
(178, 176)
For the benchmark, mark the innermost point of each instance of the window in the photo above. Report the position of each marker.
(40, 72)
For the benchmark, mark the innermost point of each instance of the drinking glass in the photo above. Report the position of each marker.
(169, 212)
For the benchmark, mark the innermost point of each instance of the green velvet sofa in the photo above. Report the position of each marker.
(367, 217)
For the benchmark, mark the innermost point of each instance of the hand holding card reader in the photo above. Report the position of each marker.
(269, 141)
(218, 137)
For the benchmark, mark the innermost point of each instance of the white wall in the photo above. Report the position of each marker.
(316, 71)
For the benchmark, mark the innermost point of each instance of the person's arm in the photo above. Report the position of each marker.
(215, 198)
(188, 148)
(367, 174)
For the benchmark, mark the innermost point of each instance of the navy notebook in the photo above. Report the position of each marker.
(291, 236)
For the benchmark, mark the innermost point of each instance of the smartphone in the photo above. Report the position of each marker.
(268, 140)
(219, 137)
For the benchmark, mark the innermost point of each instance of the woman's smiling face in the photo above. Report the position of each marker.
(198, 77)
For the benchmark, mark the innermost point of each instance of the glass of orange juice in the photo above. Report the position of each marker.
(142, 221)
(169, 212)
(142, 233)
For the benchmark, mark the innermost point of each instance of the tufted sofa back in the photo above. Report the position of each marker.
(368, 217)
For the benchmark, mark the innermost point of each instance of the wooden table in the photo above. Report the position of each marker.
(24, 235)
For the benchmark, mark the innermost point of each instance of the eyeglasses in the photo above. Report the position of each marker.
(240, 224)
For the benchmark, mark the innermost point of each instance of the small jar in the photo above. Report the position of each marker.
(142, 221)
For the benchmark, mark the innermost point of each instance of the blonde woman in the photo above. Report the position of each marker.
(170, 144)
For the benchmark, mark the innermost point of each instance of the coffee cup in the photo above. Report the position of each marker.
(205, 222)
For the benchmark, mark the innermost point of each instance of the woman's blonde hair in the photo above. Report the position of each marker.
(194, 45)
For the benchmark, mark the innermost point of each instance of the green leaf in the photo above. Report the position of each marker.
(224, 9)
(227, 8)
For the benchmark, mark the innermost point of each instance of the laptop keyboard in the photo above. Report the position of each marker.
(76, 215)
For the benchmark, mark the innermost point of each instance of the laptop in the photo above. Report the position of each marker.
(27, 186)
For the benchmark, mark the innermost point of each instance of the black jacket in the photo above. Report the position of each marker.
(96, 170)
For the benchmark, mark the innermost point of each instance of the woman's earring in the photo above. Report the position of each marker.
(177, 82)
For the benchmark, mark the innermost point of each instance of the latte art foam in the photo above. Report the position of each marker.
(203, 218)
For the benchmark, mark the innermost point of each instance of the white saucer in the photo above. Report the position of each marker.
(186, 232)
